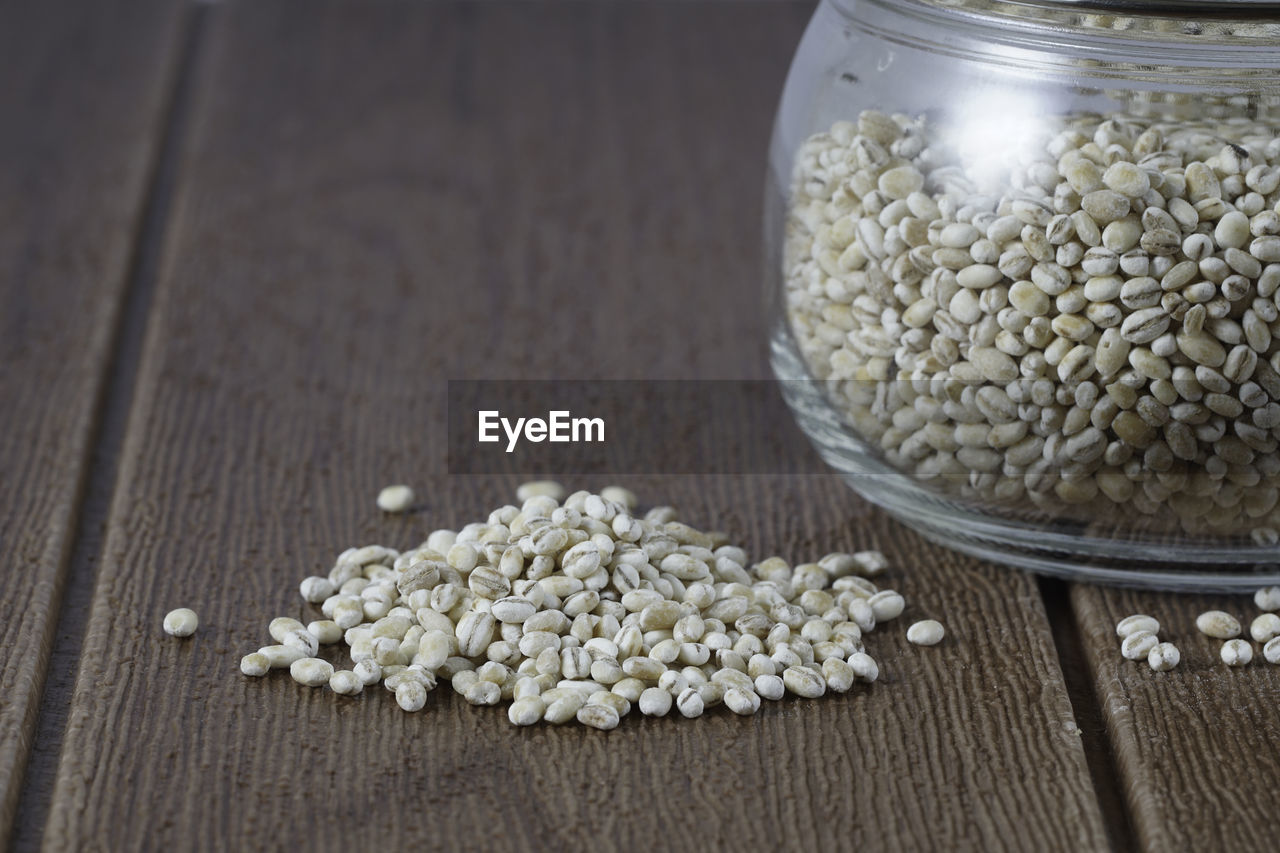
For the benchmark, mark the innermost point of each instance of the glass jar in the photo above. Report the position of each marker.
(1024, 265)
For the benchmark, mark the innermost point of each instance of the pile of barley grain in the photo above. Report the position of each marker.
(584, 610)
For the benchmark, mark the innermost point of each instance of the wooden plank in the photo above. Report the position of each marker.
(504, 189)
(1195, 746)
(80, 107)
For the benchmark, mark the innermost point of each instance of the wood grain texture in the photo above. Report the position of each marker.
(80, 106)
(383, 196)
(1196, 747)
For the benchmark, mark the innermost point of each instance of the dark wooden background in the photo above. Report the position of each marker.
(242, 247)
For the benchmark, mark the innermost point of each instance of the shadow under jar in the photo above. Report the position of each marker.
(1024, 263)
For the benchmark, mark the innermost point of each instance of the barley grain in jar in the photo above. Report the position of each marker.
(1028, 298)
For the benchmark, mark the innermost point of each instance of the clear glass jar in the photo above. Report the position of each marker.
(1024, 264)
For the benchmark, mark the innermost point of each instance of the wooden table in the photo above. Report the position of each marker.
(242, 247)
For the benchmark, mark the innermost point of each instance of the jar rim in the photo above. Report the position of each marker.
(1060, 11)
(1231, 33)
(1159, 6)
(1155, 8)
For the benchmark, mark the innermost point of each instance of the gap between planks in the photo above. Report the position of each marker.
(111, 416)
(1094, 739)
